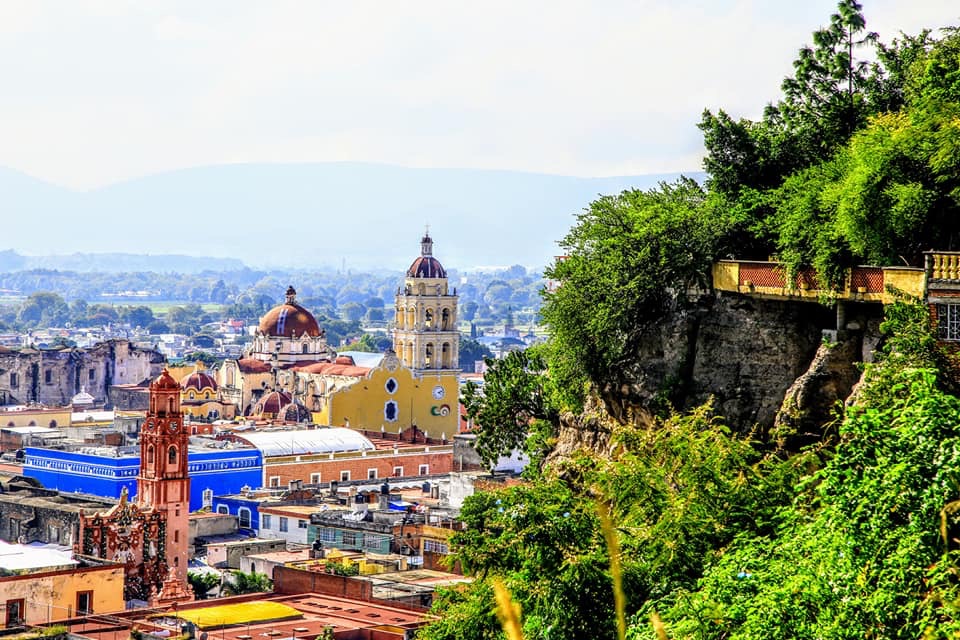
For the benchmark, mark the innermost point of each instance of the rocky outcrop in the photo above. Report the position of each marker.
(812, 401)
(748, 354)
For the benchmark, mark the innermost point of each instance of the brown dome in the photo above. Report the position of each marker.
(198, 381)
(289, 319)
(294, 412)
(426, 266)
(272, 403)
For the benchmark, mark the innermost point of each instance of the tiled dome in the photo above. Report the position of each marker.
(289, 319)
(426, 266)
(198, 381)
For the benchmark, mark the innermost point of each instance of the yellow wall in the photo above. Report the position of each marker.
(53, 596)
(362, 404)
(40, 418)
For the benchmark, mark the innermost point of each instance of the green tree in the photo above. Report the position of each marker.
(630, 258)
(472, 351)
(203, 582)
(515, 399)
(43, 309)
(240, 582)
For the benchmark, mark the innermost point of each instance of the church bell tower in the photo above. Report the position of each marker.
(164, 481)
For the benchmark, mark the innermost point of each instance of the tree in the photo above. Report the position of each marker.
(44, 309)
(240, 582)
(472, 351)
(140, 316)
(203, 582)
(630, 257)
(515, 397)
(352, 311)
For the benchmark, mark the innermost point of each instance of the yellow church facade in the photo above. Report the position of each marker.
(289, 371)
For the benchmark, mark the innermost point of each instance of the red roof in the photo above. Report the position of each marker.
(252, 365)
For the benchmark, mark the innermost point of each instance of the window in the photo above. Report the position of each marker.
(424, 470)
(150, 454)
(398, 472)
(284, 524)
(207, 497)
(390, 411)
(434, 546)
(91, 374)
(351, 538)
(176, 535)
(948, 322)
(391, 385)
(314, 478)
(328, 535)
(84, 602)
(344, 476)
(301, 524)
(274, 481)
(264, 520)
(14, 381)
(374, 541)
(172, 455)
(222, 508)
(371, 474)
(243, 514)
(48, 376)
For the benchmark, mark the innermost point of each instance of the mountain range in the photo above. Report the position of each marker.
(309, 215)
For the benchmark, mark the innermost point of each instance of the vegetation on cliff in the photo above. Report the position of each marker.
(721, 534)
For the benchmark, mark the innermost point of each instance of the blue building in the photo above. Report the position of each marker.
(102, 471)
(248, 517)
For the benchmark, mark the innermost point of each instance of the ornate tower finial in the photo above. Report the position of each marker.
(426, 244)
(291, 295)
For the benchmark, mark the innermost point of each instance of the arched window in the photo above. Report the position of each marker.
(53, 424)
(224, 509)
(170, 405)
(150, 454)
(445, 319)
(305, 347)
(172, 455)
(243, 514)
(428, 360)
(229, 376)
(428, 319)
(446, 355)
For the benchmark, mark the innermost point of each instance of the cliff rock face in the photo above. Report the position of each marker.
(743, 351)
(777, 366)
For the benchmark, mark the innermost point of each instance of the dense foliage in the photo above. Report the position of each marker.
(723, 536)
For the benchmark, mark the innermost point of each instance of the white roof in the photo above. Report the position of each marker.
(18, 557)
(300, 441)
(29, 430)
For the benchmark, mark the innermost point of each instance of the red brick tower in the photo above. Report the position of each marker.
(164, 481)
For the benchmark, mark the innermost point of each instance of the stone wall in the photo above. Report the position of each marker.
(53, 376)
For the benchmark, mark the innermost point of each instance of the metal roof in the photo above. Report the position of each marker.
(301, 441)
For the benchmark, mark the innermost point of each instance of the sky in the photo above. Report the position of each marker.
(96, 92)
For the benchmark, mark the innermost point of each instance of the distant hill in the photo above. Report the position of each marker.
(118, 263)
(309, 215)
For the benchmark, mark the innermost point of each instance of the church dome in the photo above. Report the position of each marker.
(295, 412)
(165, 381)
(426, 266)
(198, 381)
(272, 403)
(289, 319)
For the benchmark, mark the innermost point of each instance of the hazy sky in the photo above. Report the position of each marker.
(95, 92)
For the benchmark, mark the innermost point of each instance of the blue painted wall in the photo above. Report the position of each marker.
(234, 503)
(222, 472)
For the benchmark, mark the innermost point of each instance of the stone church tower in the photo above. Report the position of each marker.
(425, 337)
(150, 536)
(164, 481)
